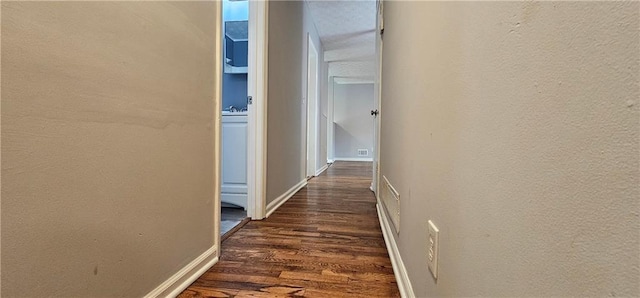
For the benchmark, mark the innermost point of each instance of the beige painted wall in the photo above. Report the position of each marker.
(289, 24)
(515, 128)
(284, 151)
(107, 145)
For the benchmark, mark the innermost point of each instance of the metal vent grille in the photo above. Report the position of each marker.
(391, 200)
(363, 152)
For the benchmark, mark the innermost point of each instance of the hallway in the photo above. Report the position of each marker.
(324, 242)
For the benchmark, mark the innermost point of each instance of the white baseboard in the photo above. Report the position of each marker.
(330, 160)
(354, 158)
(186, 276)
(402, 277)
(324, 168)
(275, 204)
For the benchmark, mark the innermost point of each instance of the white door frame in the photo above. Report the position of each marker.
(313, 65)
(377, 99)
(217, 131)
(330, 127)
(257, 109)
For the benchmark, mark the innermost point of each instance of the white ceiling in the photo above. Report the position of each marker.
(347, 31)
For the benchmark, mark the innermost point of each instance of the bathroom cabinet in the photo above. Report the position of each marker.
(234, 158)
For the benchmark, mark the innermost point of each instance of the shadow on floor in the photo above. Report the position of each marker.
(230, 218)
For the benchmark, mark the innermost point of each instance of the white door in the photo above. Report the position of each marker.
(312, 108)
(257, 110)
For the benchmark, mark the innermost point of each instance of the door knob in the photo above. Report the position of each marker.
(374, 113)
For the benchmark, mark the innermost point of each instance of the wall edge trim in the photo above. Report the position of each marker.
(400, 272)
(186, 276)
(321, 170)
(275, 204)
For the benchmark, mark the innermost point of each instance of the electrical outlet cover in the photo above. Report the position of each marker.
(432, 249)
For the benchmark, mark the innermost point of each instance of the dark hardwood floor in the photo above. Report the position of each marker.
(324, 242)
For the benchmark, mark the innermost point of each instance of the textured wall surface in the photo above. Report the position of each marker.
(107, 145)
(515, 128)
(353, 122)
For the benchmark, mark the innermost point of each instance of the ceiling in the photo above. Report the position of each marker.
(347, 30)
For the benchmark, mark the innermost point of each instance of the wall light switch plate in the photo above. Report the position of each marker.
(432, 249)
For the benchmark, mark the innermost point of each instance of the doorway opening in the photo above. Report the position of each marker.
(242, 156)
(352, 114)
(234, 184)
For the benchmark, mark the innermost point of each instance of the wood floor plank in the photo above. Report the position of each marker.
(324, 242)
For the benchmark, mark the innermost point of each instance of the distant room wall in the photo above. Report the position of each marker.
(353, 122)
